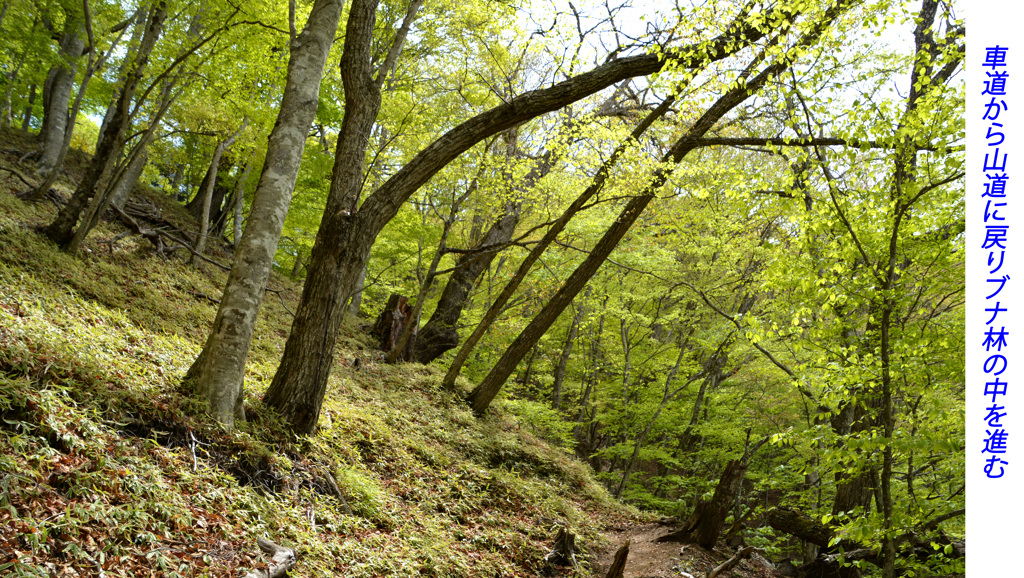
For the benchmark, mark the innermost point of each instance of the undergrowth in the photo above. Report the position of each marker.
(107, 468)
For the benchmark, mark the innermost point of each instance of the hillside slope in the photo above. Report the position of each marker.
(108, 468)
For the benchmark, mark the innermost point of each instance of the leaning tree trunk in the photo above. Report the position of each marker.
(204, 216)
(218, 371)
(481, 397)
(61, 230)
(123, 187)
(127, 175)
(346, 235)
(26, 120)
(57, 96)
(439, 334)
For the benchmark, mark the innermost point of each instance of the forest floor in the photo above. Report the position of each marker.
(109, 468)
(649, 558)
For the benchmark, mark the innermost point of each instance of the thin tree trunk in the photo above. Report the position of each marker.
(411, 325)
(557, 227)
(61, 230)
(56, 119)
(218, 371)
(563, 360)
(26, 121)
(239, 198)
(204, 218)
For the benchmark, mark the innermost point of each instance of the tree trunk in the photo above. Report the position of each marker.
(218, 371)
(204, 217)
(439, 334)
(705, 524)
(619, 563)
(564, 551)
(123, 187)
(298, 387)
(239, 199)
(391, 322)
(26, 121)
(357, 297)
(57, 97)
(563, 360)
(61, 230)
(346, 234)
(195, 206)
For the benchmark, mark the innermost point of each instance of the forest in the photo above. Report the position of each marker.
(482, 288)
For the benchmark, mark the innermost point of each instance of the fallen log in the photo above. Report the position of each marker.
(732, 562)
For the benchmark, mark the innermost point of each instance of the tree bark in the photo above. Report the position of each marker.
(298, 387)
(204, 217)
(348, 230)
(619, 563)
(26, 121)
(57, 96)
(61, 230)
(357, 298)
(439, 334)
(123, 187)
(218, 372)
(239, 202)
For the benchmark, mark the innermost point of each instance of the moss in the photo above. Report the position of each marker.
(117, 466)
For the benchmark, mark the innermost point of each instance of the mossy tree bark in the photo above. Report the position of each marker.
(57, 92)
(218, 372)
(347, 231)
(62, 229)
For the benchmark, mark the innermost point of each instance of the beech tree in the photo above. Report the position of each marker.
(216, 375)
(348, 229)
(481, 396)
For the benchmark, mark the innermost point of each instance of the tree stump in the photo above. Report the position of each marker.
(619, 563)
(281, 560)
(390, 324)
(564, 551)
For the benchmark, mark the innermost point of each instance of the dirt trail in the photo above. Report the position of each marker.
(651, 559)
